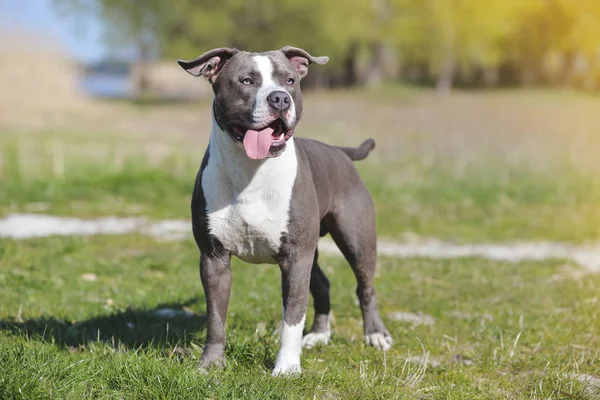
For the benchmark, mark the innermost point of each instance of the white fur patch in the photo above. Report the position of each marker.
(313, 339)
(379, 341)
(262, 113)
(288, 358)
(248, 201)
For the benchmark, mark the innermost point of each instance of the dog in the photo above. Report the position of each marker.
(265, 196)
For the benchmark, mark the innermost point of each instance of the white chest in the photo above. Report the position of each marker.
(248, 201)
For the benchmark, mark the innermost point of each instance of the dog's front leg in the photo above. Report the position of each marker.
(215, 272)
(295, 281)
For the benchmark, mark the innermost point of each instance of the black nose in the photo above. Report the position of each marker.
(279, 100)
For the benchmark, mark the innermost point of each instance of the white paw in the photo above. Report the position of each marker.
(379, 340)
(312, 339)
(284, 369)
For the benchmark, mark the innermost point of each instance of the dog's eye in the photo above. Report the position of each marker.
(290, 81)
(247, 81)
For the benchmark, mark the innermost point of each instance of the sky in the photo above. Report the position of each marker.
(80, 37)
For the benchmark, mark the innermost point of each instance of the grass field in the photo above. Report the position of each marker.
(471, 167)
(123, 316)
(82, 321)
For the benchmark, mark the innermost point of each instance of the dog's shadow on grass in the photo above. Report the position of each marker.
(166, 325)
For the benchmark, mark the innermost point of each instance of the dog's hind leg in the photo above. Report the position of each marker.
(351, 224)
(319, 289)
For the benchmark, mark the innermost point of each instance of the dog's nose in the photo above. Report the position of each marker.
(279, 100)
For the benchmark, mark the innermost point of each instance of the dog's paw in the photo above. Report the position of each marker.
(212, 357)
(205, 365)
(312, 339)
(382, 341)
(285, 369)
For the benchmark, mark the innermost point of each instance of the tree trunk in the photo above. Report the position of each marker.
(490, 76)
(446, 76)
(590, 81)
(527, 76)
(142, 81)
(374, 76)
(350, 65)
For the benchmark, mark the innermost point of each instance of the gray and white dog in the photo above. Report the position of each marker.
(266, 197)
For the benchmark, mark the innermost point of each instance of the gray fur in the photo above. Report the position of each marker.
(319, 289)
(328, 196)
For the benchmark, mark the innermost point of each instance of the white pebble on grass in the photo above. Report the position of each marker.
(412, 318)
(591, 383)
(89, 277)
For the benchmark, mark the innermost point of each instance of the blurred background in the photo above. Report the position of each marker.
(126, 48)
(487, 114)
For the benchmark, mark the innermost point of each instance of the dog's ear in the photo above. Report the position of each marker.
(208, 64)
(300, 59)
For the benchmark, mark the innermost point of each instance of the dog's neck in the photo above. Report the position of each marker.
(230, 158)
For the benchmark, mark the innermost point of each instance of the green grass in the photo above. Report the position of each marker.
(95, 187)
(78, 316)
(470, 167)
(484, 201)
(64, 335)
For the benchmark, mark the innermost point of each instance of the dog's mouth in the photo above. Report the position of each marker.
(261, 143)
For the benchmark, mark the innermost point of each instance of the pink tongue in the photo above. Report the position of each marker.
(258, 143)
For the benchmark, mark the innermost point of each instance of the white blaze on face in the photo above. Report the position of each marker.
(263, 114)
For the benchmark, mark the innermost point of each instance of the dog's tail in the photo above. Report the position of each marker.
(361, 152)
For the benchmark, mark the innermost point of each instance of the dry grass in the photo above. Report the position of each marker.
(533, 128)
(39, 83)
(40, 96)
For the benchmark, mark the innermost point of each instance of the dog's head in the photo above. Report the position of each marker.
(257, 95)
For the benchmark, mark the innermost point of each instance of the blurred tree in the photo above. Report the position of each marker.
(556, 40)
(559, 38)
(448, 35)
(321, 27)
(185, 28)
(132, 24)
